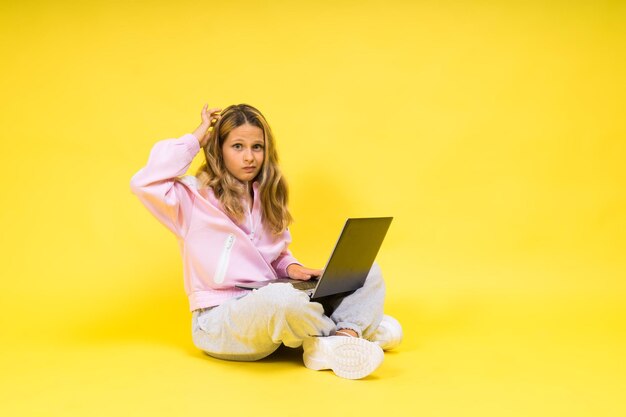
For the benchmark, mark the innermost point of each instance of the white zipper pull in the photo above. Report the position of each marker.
(223, 261)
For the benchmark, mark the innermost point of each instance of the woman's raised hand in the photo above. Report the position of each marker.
(209, 118)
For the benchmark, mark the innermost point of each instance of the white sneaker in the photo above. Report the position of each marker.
(389, 333)
(348, 357)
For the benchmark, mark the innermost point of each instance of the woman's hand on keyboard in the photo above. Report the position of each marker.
(296, 271)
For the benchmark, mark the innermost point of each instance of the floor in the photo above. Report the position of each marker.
(462, 355)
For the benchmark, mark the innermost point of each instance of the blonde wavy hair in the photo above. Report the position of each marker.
(273, 188)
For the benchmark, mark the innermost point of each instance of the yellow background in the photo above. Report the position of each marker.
(493, 132)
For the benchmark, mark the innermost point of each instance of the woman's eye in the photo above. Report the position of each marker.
(237, 146)
(258, 147)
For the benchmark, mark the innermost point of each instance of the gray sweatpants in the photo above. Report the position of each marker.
(252, 327)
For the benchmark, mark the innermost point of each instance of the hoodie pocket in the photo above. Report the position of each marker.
(222, 263)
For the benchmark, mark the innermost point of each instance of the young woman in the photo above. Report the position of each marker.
(231, 221)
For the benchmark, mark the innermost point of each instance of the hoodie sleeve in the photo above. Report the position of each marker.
(157, 184)
(285, 258)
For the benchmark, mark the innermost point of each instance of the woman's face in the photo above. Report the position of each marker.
(244, 151)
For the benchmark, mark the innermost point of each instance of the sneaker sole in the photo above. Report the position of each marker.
(347, 357)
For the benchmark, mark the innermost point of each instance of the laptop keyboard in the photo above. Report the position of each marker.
(304, 285)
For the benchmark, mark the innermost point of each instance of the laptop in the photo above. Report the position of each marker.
(348, 265)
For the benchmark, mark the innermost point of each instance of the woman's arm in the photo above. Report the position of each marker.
(156, 183)
(286, 266)
(284, 260)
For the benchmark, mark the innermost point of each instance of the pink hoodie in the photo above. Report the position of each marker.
(217, 252)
